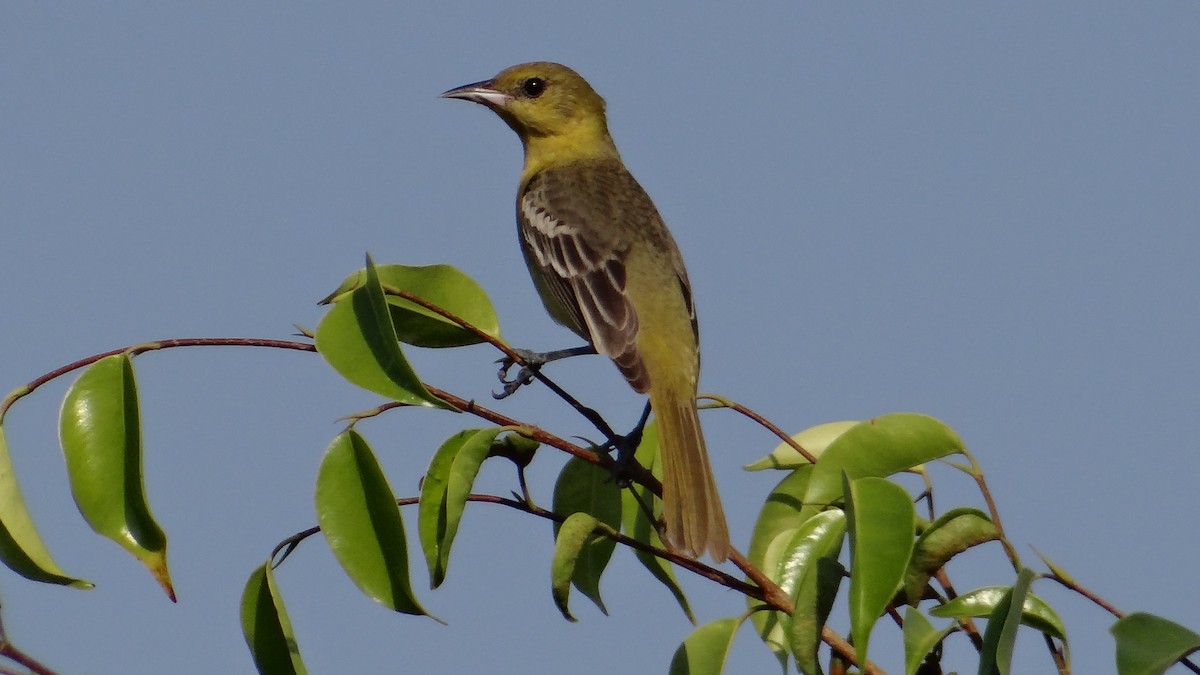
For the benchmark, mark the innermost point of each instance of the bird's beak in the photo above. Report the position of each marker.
(484, 93)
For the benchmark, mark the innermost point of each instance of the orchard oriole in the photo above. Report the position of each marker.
(607, 268)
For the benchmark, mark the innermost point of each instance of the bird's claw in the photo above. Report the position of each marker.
(523, 377)
(624, 447)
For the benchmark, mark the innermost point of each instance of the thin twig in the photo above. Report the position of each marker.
(1087, 593)
(927, 495)
(134, 350)
(288, 545)
(690, 564)
(763, 589)
(10, 651)
(634, 471)
(967, 623)
(1060, 663)
(525, 494)
(762, 421)
(977, 475)
(513, 355)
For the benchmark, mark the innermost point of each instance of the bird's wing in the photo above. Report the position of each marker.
(581, 267)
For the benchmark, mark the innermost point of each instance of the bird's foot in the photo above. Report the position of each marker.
(533, 362)
(625, 447)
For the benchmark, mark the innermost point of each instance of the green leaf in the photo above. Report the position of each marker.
(358, 339)
(920, 637)
(440, 285)
(816, 589)
(780, 514)
(575, 533)
(266, 626)
(952, 533)
(21, 548)
(359, 518)
(878, 447)
(583, 487)
(1149, 644)
(814, 439)
(518, 449)
(778, 520)
(881, 521)
(101, 436)
(818, 537)
(704, 651)
(637, 526)
(982, 602)
(995, 658)
(444, 493)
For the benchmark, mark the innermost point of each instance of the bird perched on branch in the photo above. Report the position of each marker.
(607, 268)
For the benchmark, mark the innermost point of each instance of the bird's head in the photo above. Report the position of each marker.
(540, 99)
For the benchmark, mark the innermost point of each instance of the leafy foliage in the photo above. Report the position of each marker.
(837, 518)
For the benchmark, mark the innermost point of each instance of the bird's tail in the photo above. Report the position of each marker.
(695, 521)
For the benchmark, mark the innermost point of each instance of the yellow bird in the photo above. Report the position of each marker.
(607, 268)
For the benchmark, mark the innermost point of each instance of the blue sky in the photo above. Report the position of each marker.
(984, 213)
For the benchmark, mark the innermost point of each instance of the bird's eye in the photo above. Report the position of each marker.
(533, 87)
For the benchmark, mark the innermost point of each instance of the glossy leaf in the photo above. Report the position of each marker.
(440, 285)
(101, 436)
(995, 658)
(583, 487)
(815, 591)
(575, 533)
(814, 439)
(705, 650)
(636, 525)
(359, 518)
(818, 537)
(357, 337)
(444, 493)
(1149, 644)
(952, 533)
(920, 637)
(982, 602)
(21, 548)
(880, 519)
(878, 447)
(266, 626)
(778, 520)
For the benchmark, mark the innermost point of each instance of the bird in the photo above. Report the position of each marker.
(607, 268)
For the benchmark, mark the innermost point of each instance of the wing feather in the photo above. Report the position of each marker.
(582, 268)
